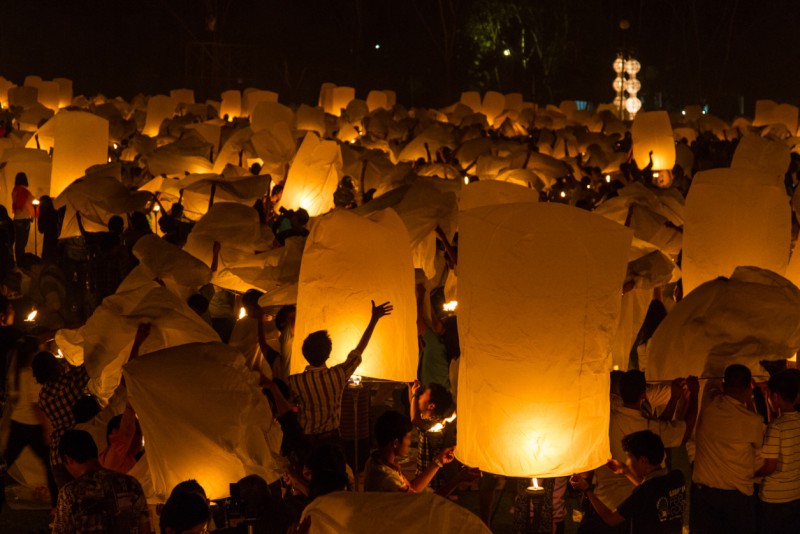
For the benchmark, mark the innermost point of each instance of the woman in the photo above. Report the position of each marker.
(22, 207)
(49, 227)
(27, 420)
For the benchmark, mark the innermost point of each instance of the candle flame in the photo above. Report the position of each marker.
(450, 306)
(242, 313)
(535, 483)
(466, 180)
(31, 316)
(35, 201)
(608, 178)
(59, 354)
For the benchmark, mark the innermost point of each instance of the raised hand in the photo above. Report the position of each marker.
(381, 310)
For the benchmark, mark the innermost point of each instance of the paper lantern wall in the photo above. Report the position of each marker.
(539, 299)
(313, 176)
(734, 217)
(652, 131)
(349, 260)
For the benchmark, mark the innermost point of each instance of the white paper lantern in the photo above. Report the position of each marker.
(632, 86)
(313, 176)
(633, 105)
(348, 261)
(539, 299)
(618, 65)
(652, 131)
(632, 66)
(618, 84)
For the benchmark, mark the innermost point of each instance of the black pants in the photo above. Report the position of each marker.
(22, 230)
(21, 436)
(721, 511)
(780, 518)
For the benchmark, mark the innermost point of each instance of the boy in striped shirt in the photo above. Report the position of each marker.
(780, 492)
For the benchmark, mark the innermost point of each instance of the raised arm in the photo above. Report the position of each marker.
(381, 310)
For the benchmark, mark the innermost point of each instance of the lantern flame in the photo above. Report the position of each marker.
(450, 306)
(535, 485)
(608, 178)
(356, 380)
(156, 208)
(59, 354)
(242, 313)
(563, 194)
(31, 316)
(35, 201)
(466, 180)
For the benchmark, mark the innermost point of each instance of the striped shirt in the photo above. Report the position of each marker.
(318, 391)
(782, 441)
(56, 400)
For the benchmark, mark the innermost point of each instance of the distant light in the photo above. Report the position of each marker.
(242, 313)
(588, 186)
(156, 208)
(616, 367)
(563, 194)
(31, 316)
(109, 159)
(608, 178)
(35, 201)
(377, 46)
(450, 306)
(356, 380)
(506, 52)
(116, 146)
(466, 180)
(655, 175)
(683, 112)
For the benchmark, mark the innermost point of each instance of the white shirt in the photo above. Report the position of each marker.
(728, 436)
(613, 489)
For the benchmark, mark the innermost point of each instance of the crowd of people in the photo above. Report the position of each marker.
(744, 437)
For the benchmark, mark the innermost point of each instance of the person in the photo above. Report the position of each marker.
(185, 513)
(97, 500)
(6, 242)
(49, 227)
(381, 472)
(434, 365)
(729, 434)
(62, 385)
(24, 213)
(657, 503)
(780, 490)
(284, 322)
(249, 337)
(9, 334)
(429, 405)
(319, 389)
(613, 488)
(27, 421)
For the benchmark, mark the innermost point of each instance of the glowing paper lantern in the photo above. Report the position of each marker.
(64, 92)
(633, 105)
(340, 98)
(493, 105)
(5, 85)
(36, 164)
(539, 298)
(734, 217)
(769, 112)
(24, 97)
(391, 98)
(325, 95)
(313, 176)
(182, 96)
(266, 114)
(652, 131)
(492, 193)
(338, 280)
(471, 99)
(514, 101)
(761, 154)
(377, 100)
(204, 417)
(310, 119)
(49, 95)
(231, 104)
(159, 108)
(253, 97)
(32, 81)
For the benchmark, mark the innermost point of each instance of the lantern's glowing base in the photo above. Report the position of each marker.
(535, 489)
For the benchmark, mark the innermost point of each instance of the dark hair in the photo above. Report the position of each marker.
(198, 303)
(140, 223)
(78, 445)
(85, 408)
(250, 298)
(46, 367)
(277, 189)
(391, 426)
(184, 511)
(442, 400)
(282, 317)
(254, 495)
(116, 224)
(21, 179)
(113, 424)
(632, 386)
(645, 443)
(26, 347)
(189, 486)
(302, 216)
(737, 377)
(784, 385)
(317, 347)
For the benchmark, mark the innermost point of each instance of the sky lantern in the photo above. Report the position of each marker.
(49, 95)
(652, 131)
(762, 154)
(252, 97)
(338, 98)
(734, 217)
(231, 104)
(377, 100)
(36, 164)
(471, 99)
(348, 261)
(159, 108)
(769, 112)
(493, 105)
(313, 176)
(64, 92)
(23, 96)
(538, 301)
(182, 96)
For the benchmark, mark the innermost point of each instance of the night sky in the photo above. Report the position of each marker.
(692, 51)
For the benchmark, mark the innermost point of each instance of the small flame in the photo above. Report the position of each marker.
(616, 368)
(242, 313)
(655, 175)
(466, 180)
(451, 418)
(356, 379)
(156, 208)
(563, 194)
(35, 201)
(450, 306)
(608, 178)
(59, 354)
(535, 484)
(116, 146)
(438, 427)
(31, 316)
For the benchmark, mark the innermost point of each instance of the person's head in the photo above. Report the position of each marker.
(393, 431)
(198, 303)
(46, 367)
(645, 451)
(783, 389)
(189, 486)
(738, 382)
(250, 302)
(78, 450)
(116, 225)
(317, 347)
(435, 402)
(112, 428)
(300, 218)
(632, 387)
(21, 179)
(30, 263)
(285, 317)
(85, 408)
(184, 513)
(4, 213)
(277, 193)
(254, 496)
(616, 378)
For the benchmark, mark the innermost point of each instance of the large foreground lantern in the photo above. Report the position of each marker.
(735, 217)
(539, 299)
(652, 132)
(313, 176)
(348, 261)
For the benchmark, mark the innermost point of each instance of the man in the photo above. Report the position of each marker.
(658, 500)
(729, 434)
(62, 385)
(98, 500)
(185, 513)
(284, 322)
(319, 389)
(249, 338)
(613, 488)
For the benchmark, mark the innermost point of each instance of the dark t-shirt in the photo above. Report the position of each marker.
(656, 507)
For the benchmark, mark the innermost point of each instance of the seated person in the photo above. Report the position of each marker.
(658, 501)
(381, 472)
(185, 513)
